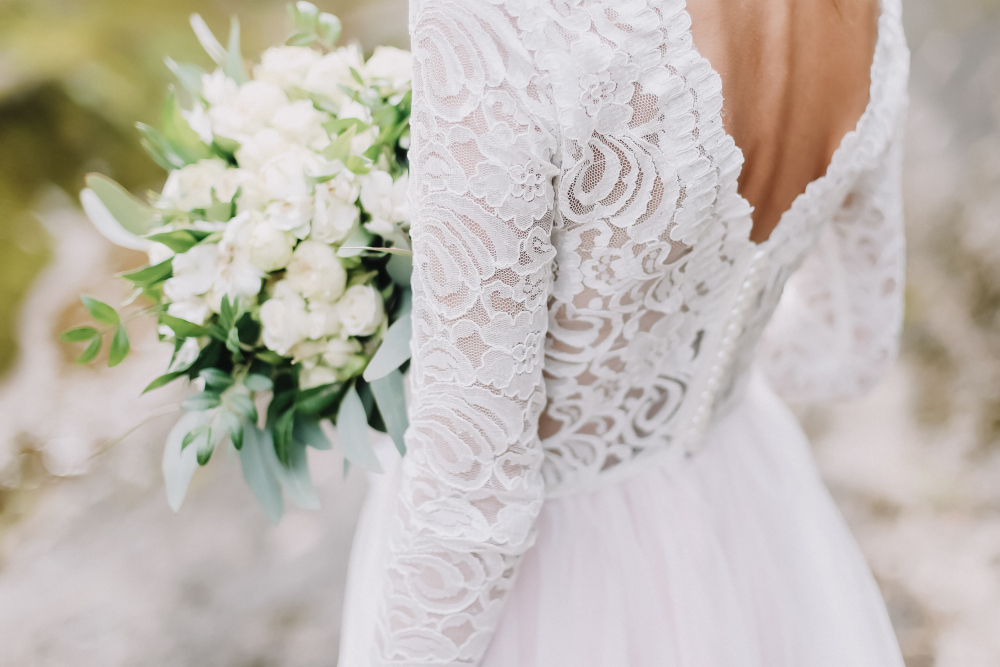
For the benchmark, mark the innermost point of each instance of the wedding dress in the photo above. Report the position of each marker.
(599, 471)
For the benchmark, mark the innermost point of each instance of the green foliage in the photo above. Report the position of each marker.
(119, 346)
(313, 26)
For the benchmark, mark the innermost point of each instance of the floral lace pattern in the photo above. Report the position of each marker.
(585, 291)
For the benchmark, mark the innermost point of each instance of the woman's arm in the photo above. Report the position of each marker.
(836, 330)
(482, 204)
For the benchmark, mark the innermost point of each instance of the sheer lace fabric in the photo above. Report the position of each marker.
(586, 296)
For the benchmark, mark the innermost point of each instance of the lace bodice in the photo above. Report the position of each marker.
(586, 296)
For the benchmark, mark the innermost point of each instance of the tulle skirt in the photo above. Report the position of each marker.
(736, 557)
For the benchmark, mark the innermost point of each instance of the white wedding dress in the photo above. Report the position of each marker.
(599, 471)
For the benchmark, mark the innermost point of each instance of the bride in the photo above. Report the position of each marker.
(635, 224)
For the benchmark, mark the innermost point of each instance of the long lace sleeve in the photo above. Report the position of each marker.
(836, 329)
(482, 169)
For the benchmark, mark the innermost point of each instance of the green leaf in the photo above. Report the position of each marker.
(193, 435)
(318, 399)
(206, 446)
(355, 243)
(390, 396)
(119, 346)
(301, 39)
(358, 165)
(352, 432)
(257, 382)
(259, 472)
(213, 377)
(179, 240)
(337, 126)
(356, 76)
(282, 432)
(134, 215)
(79, 334)
(329, 29)
(309, 431)
(100, 311)
(243, 405)
(340, 149)
(189, 76)
(153, 141)
(203, 400)
(183, 328)
(394, 350)
(232, 425)
(295, 479)
(184, 141)
(92, 350)
(179, 464)
(220, 211)
(305, 16)
(400, 269)
(162, 380)
(151, 274)
(233, 65)
(208, 41)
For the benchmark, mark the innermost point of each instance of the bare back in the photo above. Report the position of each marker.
(796, 78)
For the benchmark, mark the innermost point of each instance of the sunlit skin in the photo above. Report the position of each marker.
(796, 78)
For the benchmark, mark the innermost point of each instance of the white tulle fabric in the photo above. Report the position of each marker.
(588, 306)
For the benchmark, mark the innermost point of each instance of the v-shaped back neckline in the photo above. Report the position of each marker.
(815, 187)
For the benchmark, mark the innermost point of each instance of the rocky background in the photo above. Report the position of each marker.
(96, 571)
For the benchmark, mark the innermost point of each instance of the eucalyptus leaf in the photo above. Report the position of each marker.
(355, 243)
(206, 445)
(400, 268)
(213, 377)
(257, 382)
(243, 405)
(119, 346)
(390, 395)
(159, 148)
(294, 476)
(394, 350)
(106, 224)
(329, 29)
(178, 465)
(184, 141)
(259, 473)
(309, 431)
(232, 425)
(352, 432)
(233, 65)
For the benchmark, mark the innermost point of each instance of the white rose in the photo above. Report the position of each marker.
(386, 201)
(254, 107)
(291, 215)
(193, 273)
(256, 150)
(191, 187)
(286, 65)
(301, 123)
(270, 248)
(199, 121)
(218, 89)
(333, 70)
(316, 376)
(338, 351)
(283, 322)
(186, 355)
(157, 252)
(390, 65)
(284, 175)
(315, 272)
(323, 320)
(235, 276)
(193, 309)
(334, 218)
(361, 311)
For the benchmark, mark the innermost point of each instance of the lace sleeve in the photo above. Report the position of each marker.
(482, 203)
(836, 329)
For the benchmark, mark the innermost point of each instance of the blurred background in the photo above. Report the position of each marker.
(95, 570)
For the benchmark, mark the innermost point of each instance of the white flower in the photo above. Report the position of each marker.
(323, 320)
(391, 65)
(193, 273)
(317, 376)
(191, 187)
(361, 311)
(315, 272)
(291, 215)
(270, 248)
(199, 121)
(284, 175)
(334, 218)
(333, 70)
(186, 355)
(251, 110)
(386, 201)
(257, 149)
(338, 351)
(218, 89)
(235, 276)
(302, 123)
(286, 66)
(193, 309)
(283, 321)
(157, 252)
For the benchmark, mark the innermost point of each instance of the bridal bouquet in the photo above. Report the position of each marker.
(279, 258)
